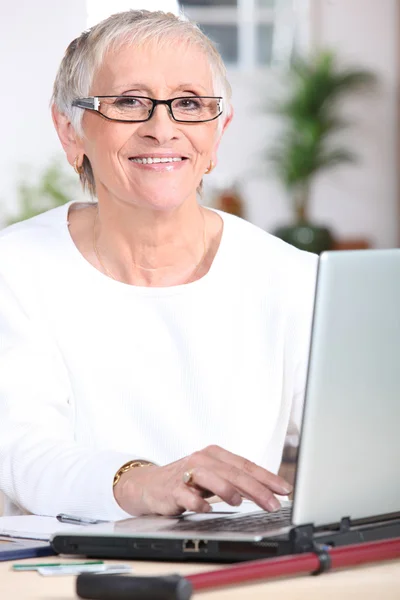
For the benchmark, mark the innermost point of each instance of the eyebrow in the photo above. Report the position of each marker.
(137, 86)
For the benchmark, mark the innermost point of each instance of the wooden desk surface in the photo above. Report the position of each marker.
(377, 582)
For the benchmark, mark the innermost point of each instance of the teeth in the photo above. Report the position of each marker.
(150, 161)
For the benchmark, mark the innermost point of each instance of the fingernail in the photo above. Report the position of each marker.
(273, 504)
(236, 500)
(287, 489)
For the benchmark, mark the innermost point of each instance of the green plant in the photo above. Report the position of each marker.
(53, 188)
(311, 119)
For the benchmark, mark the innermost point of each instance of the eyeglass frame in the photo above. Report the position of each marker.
(93, 103)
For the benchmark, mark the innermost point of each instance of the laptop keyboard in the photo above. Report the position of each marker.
(249, 523)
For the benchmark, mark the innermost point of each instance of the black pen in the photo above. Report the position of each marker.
(78, 520)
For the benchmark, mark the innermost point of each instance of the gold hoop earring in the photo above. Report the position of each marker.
(209, 168)
(77, 169)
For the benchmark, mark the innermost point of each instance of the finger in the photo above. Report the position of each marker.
(213, 483)
(275, 483)
(188, 499)
(269, 502)
(245, 484)
(203, 492)
(250, 488)
(214, 499)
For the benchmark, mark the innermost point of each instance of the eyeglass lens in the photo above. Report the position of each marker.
(136, 108)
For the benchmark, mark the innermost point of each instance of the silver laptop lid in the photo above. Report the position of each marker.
(349, 457)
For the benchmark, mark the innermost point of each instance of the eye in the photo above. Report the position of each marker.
(128, 102)
(189, 103)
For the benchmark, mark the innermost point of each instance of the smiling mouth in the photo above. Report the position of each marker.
(149, 160)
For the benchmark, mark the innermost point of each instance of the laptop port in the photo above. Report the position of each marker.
(194, 545)
(190, 545)
(203, 545)
(141, 545)
(158, 546)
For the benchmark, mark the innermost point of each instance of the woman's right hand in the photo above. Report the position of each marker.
(213, 471)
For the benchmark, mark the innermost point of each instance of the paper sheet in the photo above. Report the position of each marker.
(33, 527)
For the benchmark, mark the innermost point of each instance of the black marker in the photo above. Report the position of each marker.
(109, 587)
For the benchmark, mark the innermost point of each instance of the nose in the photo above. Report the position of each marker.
(161, 127)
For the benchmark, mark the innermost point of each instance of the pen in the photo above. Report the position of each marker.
(77, 520)
(34, 566)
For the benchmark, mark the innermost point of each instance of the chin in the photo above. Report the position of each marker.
(162, 200)
(164, 204)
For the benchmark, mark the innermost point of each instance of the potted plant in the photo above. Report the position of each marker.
(53, 188)
(311, 118)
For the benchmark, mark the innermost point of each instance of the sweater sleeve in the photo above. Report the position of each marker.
(43, 470)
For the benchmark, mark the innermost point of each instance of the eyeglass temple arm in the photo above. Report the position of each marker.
(91, 103)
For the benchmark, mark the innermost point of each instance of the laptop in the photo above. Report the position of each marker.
(347, 485)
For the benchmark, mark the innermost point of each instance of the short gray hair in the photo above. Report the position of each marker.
(84, 56)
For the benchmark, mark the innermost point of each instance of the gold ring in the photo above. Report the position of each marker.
(187, 477)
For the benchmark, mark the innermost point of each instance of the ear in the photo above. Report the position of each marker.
(70, 141)
(227, 121)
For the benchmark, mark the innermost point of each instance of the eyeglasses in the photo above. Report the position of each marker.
(137, 109)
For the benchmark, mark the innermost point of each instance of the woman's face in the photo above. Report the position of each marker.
(160, 73)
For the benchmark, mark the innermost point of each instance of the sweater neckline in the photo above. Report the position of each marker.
(144, 290)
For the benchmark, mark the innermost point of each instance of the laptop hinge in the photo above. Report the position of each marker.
(302, 538)
(345, 525)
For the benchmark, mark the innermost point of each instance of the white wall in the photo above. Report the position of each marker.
(357, 201)
(33, 37)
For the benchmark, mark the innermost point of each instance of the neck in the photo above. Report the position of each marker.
(151, 248)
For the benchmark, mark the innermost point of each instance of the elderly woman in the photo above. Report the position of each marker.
(153, 352)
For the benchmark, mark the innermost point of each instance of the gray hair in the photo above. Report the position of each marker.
(84, 56)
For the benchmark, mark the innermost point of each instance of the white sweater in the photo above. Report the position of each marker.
(94, 372)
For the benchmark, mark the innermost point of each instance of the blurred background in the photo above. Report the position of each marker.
(274, 159)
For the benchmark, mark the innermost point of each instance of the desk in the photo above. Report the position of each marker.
(370, 582)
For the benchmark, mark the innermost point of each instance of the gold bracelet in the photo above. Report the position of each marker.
(132, 464)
